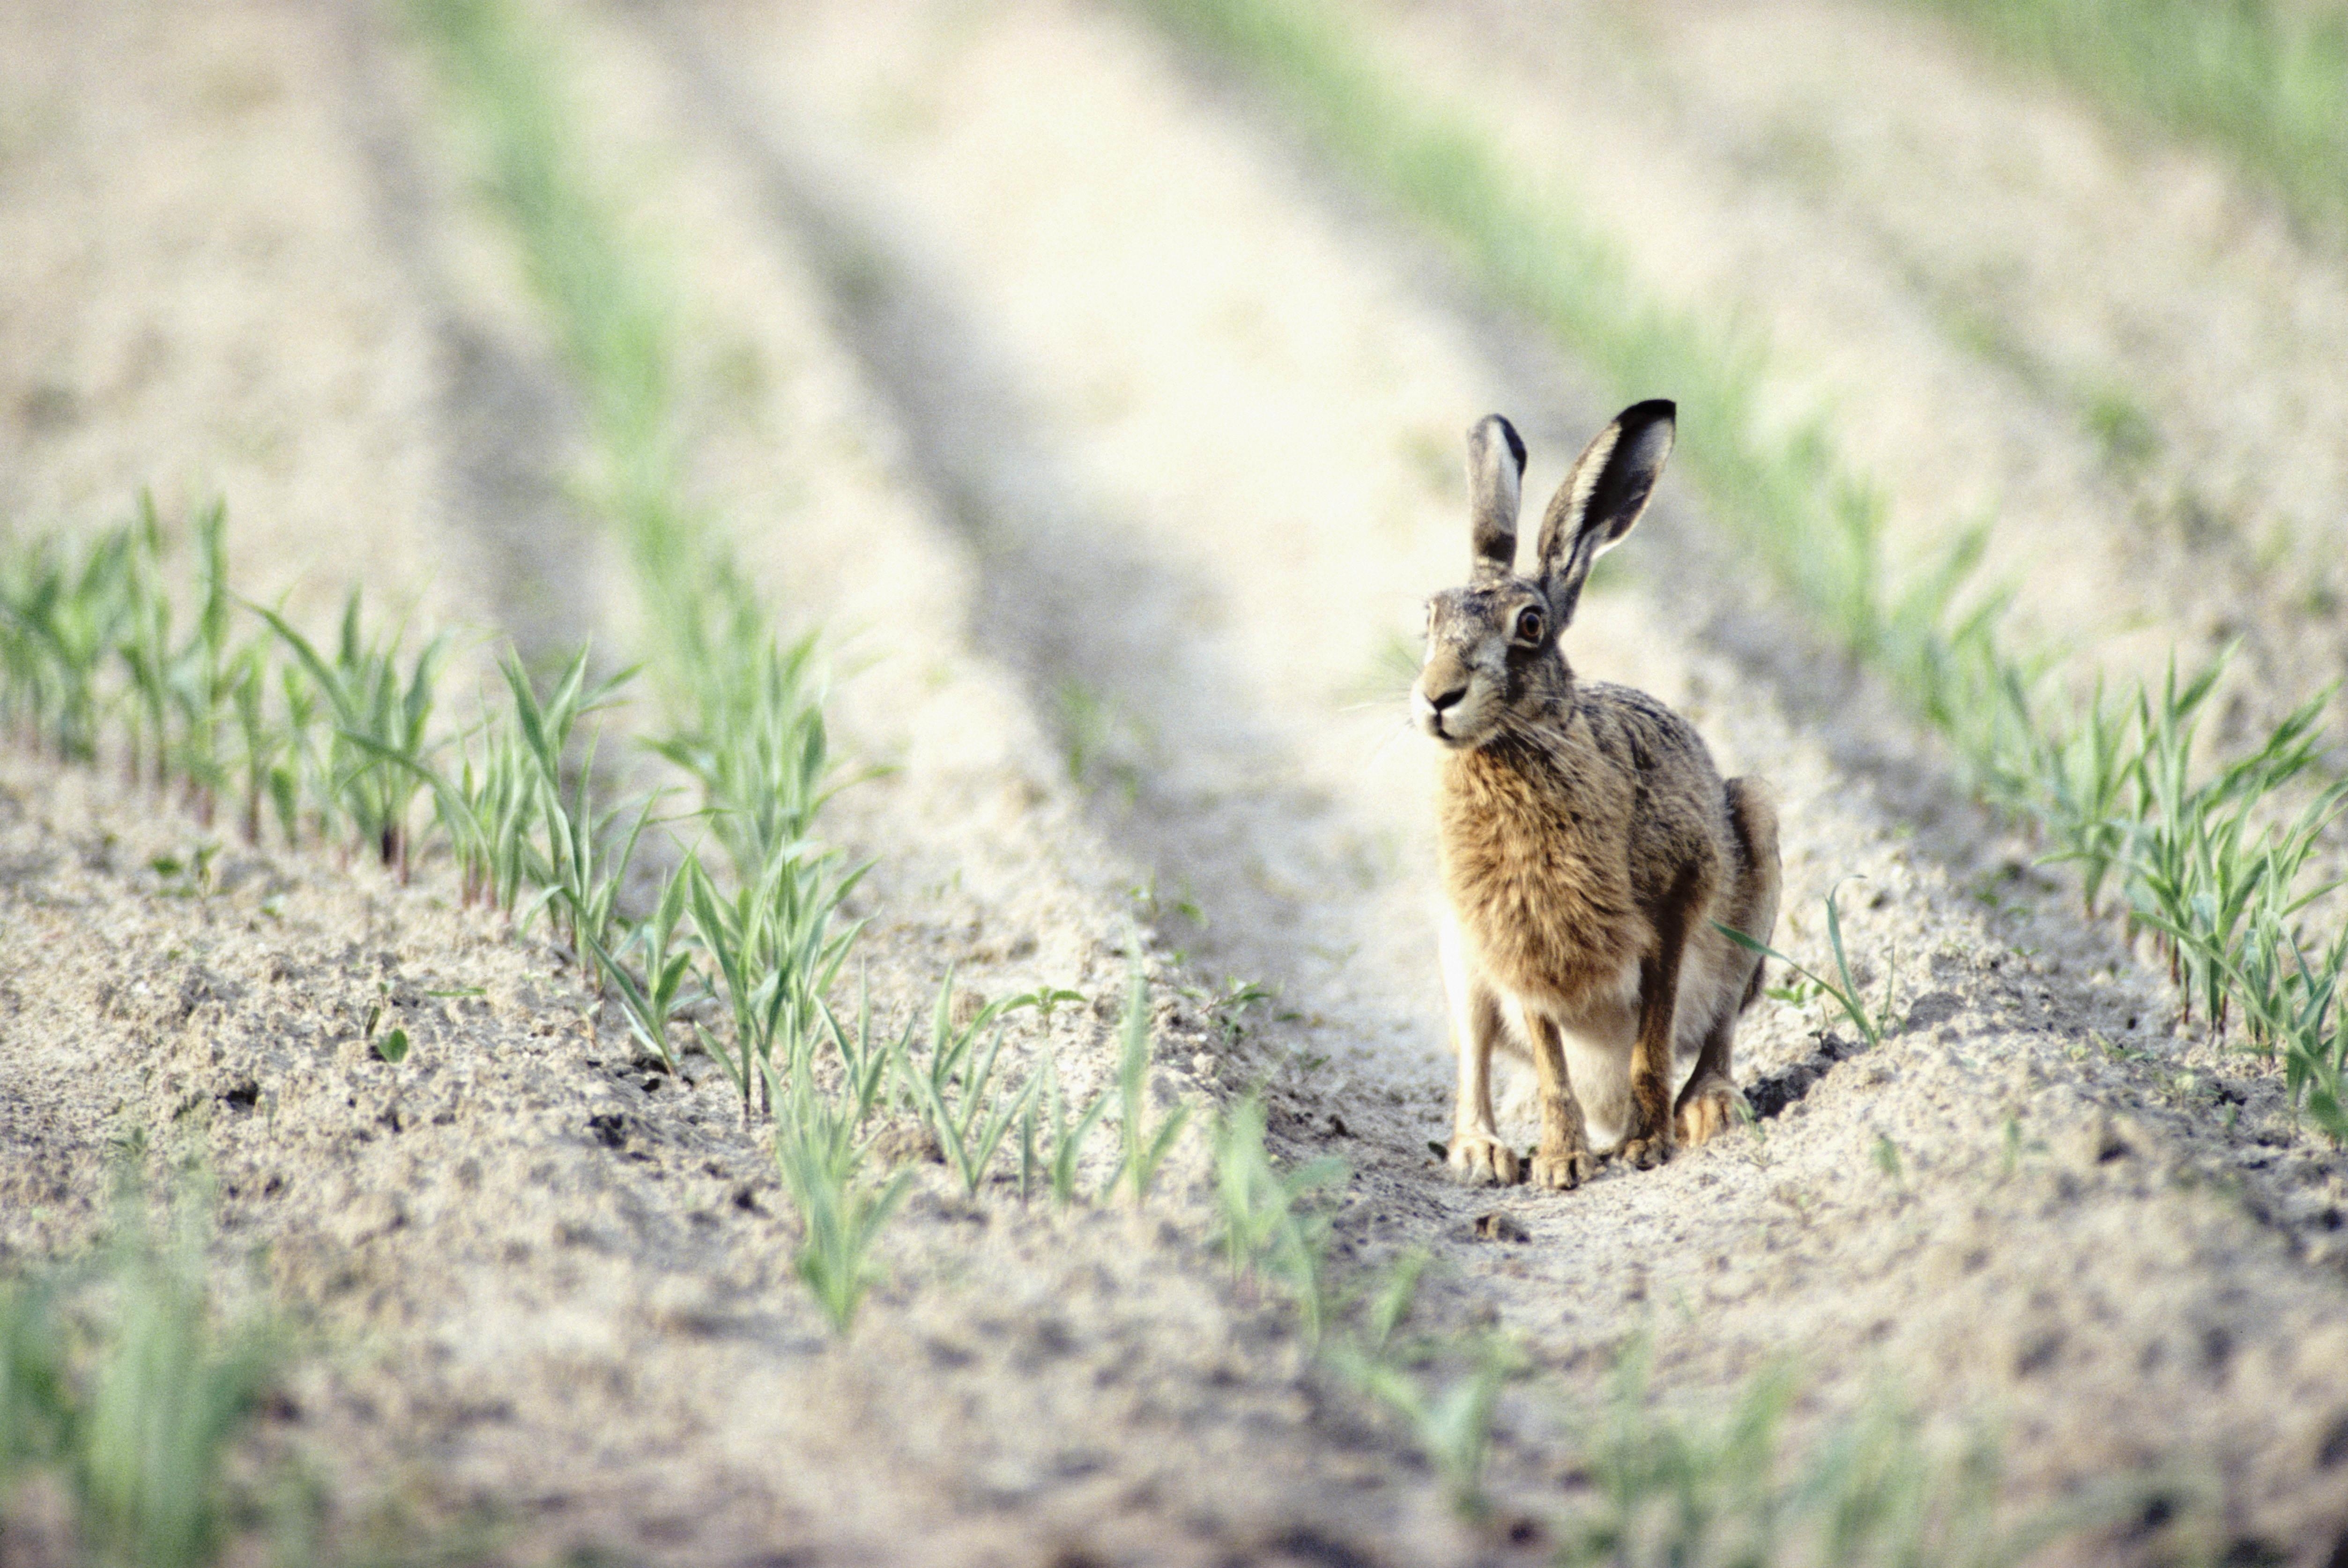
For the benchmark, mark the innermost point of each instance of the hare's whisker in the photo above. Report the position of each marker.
(1377, 750)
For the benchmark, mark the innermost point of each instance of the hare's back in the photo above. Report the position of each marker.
(1681, 815)
(1643, 735)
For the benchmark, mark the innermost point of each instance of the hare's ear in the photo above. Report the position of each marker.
(1496, 472)
(1601, 498)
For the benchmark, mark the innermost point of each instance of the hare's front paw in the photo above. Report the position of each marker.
(1480, 1158)
(1645, 1154)
(1562, 1170)
(1708, 1110)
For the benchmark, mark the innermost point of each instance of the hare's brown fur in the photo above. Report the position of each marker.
(1588, 844)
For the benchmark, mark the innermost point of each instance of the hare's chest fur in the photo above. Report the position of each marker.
(1546, 915)
(1539, 880)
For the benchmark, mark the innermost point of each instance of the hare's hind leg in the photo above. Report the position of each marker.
(1476, 1153)
(1711, 1103)
(1753, 909)
(1648, 1140)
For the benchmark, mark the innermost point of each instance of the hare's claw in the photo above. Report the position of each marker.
(1563, 1170)
(1708, 1110)
(1480, 1159)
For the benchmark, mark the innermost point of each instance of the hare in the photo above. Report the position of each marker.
(1588, 844)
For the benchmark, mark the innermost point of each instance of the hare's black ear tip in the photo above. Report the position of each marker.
(1516, 442)
(1655, 410)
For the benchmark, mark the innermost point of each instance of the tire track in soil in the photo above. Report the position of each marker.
(983, 192)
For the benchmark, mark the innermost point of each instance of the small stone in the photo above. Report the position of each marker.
(1498, 1225)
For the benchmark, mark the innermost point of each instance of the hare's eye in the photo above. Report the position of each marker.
(1529, 625)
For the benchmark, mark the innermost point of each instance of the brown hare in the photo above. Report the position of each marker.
(1588, 844)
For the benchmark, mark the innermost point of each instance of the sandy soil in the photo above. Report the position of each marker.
(1035, 364)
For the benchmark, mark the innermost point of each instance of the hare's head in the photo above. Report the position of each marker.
(1492, 659)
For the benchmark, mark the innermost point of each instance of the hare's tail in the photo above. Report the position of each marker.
(1752, 817)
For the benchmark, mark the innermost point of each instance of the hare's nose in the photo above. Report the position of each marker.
(1441, 700)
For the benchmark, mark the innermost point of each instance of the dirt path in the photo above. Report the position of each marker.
(1101, 432)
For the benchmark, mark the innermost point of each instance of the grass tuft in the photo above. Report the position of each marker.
(1272, 1232)
(955, 1091)
(377, 756)
(820, 1154)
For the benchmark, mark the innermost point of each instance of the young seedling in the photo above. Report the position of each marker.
(2088, 774)
(956, 1095)
(777, 949)
(202, 672)
(759, 748)
(1845, 995)
(506, 814)
(651, 1003)
(1275, 1229)
(263, 743)
(2306, 1022)
(1068, 1139)
(1146, 1148)
(379, 757)
(66, 618)
(865, 1061)
(819, 1157)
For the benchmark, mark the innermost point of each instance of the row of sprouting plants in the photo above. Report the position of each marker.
(89, 650)
(748, 924)
(2206, 861)
(742, 943)
(2219, 860)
